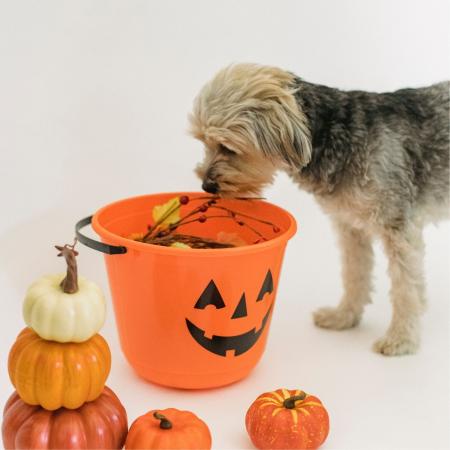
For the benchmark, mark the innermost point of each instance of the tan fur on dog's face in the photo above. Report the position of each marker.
(250, 123)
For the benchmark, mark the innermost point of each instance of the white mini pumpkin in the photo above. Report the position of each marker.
(65, 308)
(57, 316)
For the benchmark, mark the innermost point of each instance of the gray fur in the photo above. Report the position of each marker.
(393, 145)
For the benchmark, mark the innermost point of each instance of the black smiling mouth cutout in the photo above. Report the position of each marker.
(220, 345)
(239, 344)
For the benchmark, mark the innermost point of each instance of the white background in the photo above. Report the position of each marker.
(93, 103)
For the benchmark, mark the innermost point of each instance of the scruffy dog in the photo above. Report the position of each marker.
(378, 164)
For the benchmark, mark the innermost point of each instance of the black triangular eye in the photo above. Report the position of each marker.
(241, 309)
(267, 286)
(210, 296)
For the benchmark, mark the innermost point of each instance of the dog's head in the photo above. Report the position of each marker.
(251, 125)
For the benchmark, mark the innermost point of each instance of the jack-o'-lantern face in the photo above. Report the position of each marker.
(239, 343)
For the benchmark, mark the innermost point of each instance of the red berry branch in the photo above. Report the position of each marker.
(210, 208)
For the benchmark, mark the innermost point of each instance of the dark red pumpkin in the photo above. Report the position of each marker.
(101, 424)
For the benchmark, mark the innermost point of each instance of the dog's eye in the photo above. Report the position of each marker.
(226, 150)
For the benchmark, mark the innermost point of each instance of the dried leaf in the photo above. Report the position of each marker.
(230, 238)
(136, 236)
(179, 245)
(167, 213)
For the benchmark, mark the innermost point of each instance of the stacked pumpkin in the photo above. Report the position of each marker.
(59, 365)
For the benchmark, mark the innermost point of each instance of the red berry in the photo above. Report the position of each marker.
(203, 208)
(239, 222)
(202, 219)
(184, 199)
(276, 229)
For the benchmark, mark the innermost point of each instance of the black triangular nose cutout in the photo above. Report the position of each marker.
(267, 286)
(210, 296)
(241, 309)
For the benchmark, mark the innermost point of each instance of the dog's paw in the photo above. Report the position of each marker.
(395, 345)
(336, 318)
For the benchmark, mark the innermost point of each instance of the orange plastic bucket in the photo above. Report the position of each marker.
(190, 318)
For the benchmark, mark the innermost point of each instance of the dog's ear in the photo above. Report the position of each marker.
(296, 147)
(281, 132)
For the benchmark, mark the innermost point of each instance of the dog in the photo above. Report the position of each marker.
(377, 163)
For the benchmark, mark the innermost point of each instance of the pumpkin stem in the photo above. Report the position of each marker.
(289, 403)
(70, 283)
(165, 423)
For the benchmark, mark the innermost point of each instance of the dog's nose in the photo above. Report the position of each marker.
(210, 186)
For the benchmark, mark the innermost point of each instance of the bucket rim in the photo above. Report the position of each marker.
(116, 239)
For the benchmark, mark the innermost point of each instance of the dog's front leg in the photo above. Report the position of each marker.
(357, 263)
(405, 251)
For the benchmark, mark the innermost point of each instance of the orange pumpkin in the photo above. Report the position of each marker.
(168, 429)
(101, 424)
(287, 419)
(53, 374)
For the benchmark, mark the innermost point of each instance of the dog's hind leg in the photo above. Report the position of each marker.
(405, 251)
(357, 263)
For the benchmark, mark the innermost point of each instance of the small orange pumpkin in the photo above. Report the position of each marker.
(287, 419)
(168, 429)
(101, 424)
(54, 374)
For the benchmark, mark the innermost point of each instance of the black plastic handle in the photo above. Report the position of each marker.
(96, 245)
